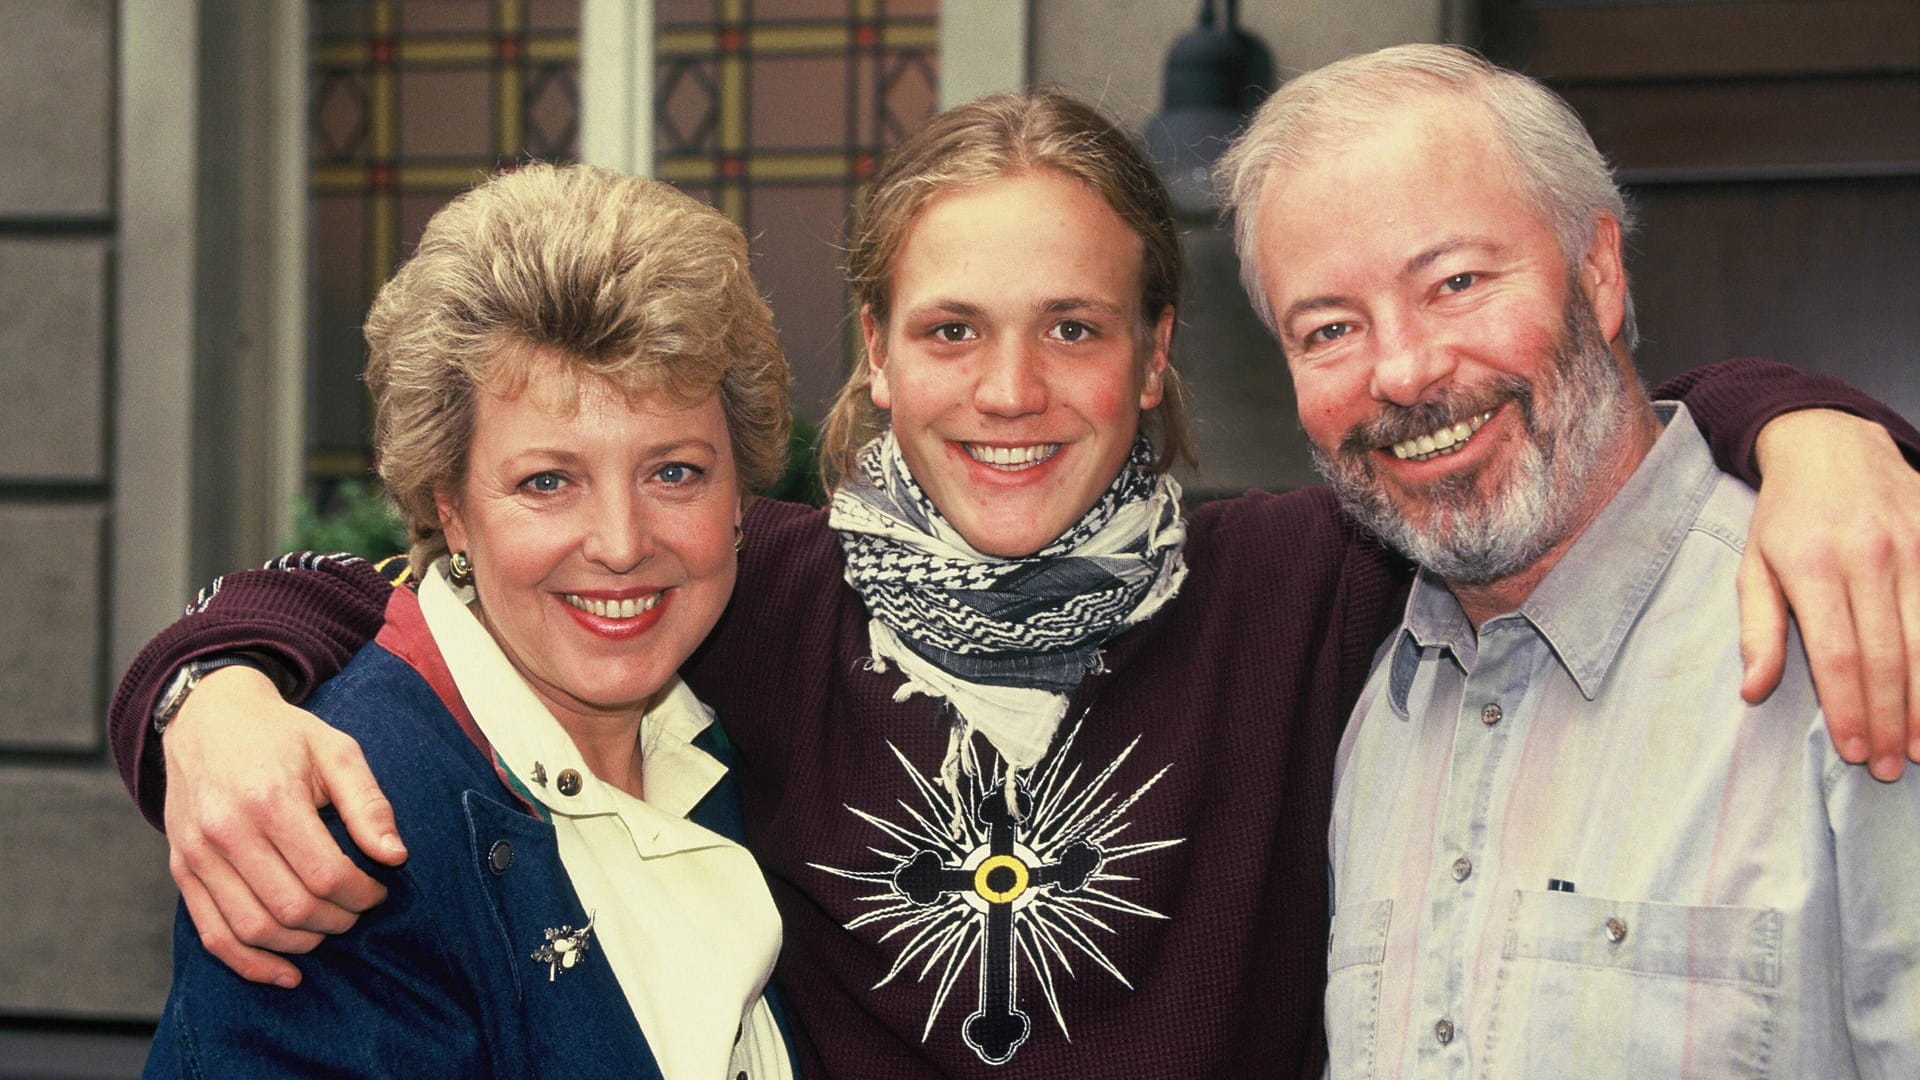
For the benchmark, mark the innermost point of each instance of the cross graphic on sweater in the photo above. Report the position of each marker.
(1033, 886)
(993, 880)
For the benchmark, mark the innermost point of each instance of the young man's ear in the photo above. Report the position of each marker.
(1153, 388)
(875, 336)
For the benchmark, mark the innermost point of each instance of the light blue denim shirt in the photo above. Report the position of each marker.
(1564, 847)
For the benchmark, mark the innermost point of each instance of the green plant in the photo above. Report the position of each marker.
(354, 517)
(801, 481)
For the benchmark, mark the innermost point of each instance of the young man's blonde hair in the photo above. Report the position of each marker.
(985, 140)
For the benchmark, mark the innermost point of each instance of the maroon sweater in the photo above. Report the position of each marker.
(1160, 909)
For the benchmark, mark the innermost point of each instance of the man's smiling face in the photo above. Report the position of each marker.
(1453, 370)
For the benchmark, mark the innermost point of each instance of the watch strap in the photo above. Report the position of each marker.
(174, 697)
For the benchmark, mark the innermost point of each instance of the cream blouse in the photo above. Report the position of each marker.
(681, 912)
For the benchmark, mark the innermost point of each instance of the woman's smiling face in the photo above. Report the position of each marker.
(600, 532)
(1014, 362)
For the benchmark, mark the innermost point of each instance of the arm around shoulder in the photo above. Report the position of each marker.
(1835, 537)
(1734, 400)
(308, 614)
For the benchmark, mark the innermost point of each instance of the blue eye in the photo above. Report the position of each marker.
(1459, 282)
(1329, 332)
(678, 473)
(544, 483)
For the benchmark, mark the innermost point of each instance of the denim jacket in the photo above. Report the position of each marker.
(440, 979)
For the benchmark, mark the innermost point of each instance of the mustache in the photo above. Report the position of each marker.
(1397, 423)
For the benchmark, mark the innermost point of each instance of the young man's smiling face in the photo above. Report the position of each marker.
(1014, 363)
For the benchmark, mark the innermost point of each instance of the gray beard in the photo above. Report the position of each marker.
(1477, 537)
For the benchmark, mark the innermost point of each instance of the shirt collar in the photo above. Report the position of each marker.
(532, 746)
(1586, 604)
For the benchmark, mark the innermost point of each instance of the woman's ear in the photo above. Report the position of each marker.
(875, 336)
(451, 523)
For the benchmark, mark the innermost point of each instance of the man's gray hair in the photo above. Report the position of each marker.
(1559, 169)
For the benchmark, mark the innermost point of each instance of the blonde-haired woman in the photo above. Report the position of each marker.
(575, 384)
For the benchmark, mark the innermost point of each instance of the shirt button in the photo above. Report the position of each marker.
(569, 782)
(499, 857)
(1462, 867)
(1616, 930)
(1490, 713)
(1443, 1031)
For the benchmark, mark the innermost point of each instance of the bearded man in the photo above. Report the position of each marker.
(1562, 844)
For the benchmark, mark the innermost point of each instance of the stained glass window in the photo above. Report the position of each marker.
(412, 102)
(773, 110)
(776, 112)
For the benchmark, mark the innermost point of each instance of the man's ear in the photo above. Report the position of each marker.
(1603, 276)
(875, 336)
(1153, 388)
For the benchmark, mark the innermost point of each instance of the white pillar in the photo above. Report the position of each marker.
(616, 84)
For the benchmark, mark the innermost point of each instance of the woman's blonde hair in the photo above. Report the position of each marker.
(618, 277)
(984, 140)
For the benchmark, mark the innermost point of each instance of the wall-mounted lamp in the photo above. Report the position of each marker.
(1216, 75)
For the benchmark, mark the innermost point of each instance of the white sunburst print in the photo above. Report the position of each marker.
(986, 892)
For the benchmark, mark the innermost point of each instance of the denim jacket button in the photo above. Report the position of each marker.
(499, 857)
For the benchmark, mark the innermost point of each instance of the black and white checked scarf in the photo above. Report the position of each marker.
(1003, 642)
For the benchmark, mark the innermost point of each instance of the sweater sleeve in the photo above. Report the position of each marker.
(1732, 400)
(306, 614)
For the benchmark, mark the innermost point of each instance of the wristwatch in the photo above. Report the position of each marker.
(174, 697)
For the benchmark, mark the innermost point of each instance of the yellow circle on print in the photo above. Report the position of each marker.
(1000, 879)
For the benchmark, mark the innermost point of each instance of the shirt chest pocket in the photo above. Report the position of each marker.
(1356, 958)
(1604, 988)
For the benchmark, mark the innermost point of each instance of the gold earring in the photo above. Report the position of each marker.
(460, 569)
(739, 538)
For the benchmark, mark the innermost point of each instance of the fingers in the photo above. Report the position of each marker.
(344, 780)
(263, 852)
(1833, 656)
(295, 868)
(262, 901)
(1763, 628)
(217, 936)
(1883, 661)
(1861, 664)
(1909, 591)
(1837, 525)
(259, 867)
(1903, 572)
